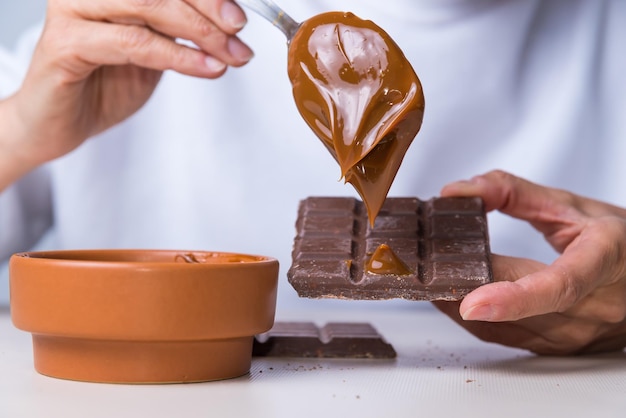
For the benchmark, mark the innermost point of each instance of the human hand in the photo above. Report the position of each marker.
(575, 305)
(99, 61)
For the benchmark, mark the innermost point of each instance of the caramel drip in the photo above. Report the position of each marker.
(385, 261)
(359, 94)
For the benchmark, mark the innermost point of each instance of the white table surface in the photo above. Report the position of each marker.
(441, 371)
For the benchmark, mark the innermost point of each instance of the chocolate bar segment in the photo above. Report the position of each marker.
(418, 250)
(334, 340)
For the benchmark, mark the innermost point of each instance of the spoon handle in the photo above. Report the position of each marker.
(274, 14)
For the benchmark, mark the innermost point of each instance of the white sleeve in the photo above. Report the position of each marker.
(25, 216)
(25, 206)
(13, 64)
(25, 213)
(10, 74)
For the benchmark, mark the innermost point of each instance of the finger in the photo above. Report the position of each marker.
(593, 261)
(512, 334)
(178, 19)
(547, 291)
(500, 300)
(505, 192)
(226, 14)
(552, 334)
(515, 196)
(553, 212)
(95, 44)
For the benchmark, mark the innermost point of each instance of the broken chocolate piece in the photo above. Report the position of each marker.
(334, 340)
(440, 249)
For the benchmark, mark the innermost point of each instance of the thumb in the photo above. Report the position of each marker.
(506, 298)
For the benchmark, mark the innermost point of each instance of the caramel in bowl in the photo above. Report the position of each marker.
(142, 316)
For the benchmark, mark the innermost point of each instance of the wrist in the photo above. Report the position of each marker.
(15, 160)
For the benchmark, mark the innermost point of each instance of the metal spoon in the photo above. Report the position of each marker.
(274, 14)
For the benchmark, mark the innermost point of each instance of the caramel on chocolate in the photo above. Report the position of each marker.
(359, 94)
(385, 261)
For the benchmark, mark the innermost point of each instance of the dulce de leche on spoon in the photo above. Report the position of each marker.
(357, 91)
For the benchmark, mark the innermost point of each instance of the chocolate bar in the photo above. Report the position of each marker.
(417, 250)
(334, 340)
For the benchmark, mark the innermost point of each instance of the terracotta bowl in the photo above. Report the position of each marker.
(142, 316)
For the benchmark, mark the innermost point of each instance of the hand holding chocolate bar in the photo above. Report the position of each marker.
(575, 305)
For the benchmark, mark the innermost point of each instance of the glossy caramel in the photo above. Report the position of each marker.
(385, 261)
(357, 91)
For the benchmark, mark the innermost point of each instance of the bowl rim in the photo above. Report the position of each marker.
(131, 257)
(91, 285)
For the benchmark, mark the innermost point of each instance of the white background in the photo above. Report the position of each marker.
(16, 15)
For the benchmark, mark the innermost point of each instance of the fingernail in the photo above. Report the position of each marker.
(232, 15)
(214, 64)
(238, 50)
(479, 313)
